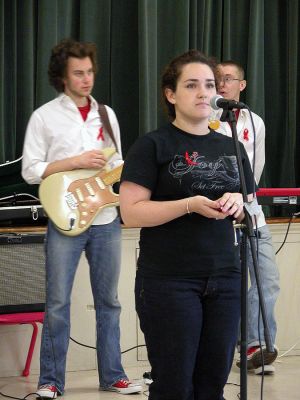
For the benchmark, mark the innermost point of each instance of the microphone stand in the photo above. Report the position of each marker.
(248, 232)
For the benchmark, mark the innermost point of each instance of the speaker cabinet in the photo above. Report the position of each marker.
(22, 272)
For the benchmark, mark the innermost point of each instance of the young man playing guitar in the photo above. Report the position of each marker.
(67, 134)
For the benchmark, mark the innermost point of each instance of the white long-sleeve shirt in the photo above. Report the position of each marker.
(57, 131)
(246, 136)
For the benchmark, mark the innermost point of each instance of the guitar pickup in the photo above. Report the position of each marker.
(79, 195)
(100, 183)
(90, 189)
(71, 200)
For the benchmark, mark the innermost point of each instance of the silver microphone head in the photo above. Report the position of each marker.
(213, 102)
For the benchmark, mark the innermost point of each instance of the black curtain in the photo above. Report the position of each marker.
(135, 39)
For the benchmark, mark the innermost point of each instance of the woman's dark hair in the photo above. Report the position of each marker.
(173, 71)
(59, 59)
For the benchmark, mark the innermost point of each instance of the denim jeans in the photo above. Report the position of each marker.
(191, 329)
(269, 275)
(102, 245)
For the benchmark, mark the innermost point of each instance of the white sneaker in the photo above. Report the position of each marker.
(47, 392)
(268, 370)
(147, 378)
(124, 386)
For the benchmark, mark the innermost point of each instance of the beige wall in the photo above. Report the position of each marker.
(14, 340)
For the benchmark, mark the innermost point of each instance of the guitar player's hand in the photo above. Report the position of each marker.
(90, 159)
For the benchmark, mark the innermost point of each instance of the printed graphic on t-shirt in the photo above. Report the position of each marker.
(206, 173)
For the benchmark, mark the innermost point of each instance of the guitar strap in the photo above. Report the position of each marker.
(106, 123)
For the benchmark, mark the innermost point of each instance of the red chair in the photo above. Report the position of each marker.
(25, 318)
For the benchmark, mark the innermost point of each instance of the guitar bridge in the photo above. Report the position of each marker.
(71, 200)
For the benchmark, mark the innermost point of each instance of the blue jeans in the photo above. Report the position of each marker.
(269, 275)
(191, 329)
(102, 245)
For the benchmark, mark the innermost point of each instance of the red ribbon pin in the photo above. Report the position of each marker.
(246, 134)
(100, 135)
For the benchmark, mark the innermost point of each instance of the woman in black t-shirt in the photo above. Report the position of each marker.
(181, 184)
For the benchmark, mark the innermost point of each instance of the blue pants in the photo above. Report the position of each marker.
(269, 275)
(191, 329)
(102, 245)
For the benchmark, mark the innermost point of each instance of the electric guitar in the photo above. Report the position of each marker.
(72, 199)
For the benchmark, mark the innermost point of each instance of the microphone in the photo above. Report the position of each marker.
(218, 101)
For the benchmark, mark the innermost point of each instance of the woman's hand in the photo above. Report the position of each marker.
(206, 207)
(232, 204)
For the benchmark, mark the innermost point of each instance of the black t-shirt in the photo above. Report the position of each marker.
(174, 164)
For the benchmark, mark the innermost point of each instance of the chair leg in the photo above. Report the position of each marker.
(31, 349)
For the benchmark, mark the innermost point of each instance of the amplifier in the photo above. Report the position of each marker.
(22, 272)
(30, 214)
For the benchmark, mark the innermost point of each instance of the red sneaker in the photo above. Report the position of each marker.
(124, 387)
(254, 357)
(47, 392)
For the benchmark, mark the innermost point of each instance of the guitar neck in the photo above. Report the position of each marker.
(113, 176)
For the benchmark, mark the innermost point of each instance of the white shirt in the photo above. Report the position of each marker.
(246, 136)
(57, 131)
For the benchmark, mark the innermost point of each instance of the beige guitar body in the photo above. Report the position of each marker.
(72, 199)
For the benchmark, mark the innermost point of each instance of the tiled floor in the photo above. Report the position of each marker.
(284, 385)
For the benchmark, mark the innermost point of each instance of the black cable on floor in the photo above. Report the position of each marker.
(94, 348)
(37, 396)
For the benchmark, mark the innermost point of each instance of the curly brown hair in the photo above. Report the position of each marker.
(59, 59)
(173, 71)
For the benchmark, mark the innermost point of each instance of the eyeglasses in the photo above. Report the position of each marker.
(227, 80)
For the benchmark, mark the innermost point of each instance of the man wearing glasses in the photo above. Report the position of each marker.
(230, 83)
